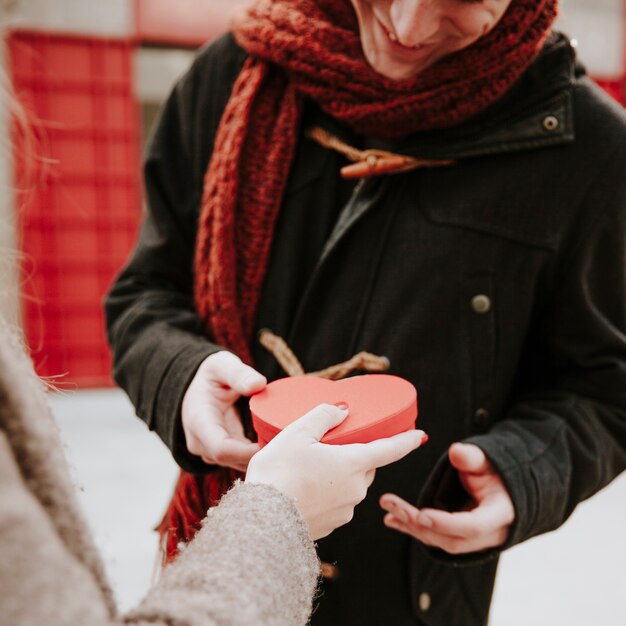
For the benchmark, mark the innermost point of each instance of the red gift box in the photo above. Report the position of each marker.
(380, 406)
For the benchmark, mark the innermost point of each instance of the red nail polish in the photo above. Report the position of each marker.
(342, 405)
(425, 439)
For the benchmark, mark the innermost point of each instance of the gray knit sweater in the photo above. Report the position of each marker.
(252, 563)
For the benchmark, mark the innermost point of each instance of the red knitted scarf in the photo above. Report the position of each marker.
(311, 49)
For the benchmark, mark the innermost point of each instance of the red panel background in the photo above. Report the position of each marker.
(79, 194)
(615, 88)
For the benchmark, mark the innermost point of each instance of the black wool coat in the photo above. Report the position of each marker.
(496, 285)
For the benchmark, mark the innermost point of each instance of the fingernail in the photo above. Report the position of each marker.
(425, 439)
(425, 521)
(342, 405)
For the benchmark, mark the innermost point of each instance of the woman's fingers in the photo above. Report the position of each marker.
(381, 452)
(317, 422)
(327, 481)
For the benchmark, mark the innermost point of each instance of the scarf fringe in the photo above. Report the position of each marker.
(193, 496)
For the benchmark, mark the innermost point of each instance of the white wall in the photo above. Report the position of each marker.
(156, 71)
(110, 18)
(598, 26)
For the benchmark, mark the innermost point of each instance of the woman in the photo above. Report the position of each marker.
(50, 572)
(480, 251)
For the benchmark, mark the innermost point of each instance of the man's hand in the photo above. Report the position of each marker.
(483, 524)
(212, 426)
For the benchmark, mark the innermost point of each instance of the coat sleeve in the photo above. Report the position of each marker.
(252, 563)
(157, 338)
(563, 438)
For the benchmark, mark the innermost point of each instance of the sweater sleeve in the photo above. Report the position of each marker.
(41, 581)
(157, 338)
(253, 562)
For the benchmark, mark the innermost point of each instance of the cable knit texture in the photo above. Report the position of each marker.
(311, 49)
(253, 562)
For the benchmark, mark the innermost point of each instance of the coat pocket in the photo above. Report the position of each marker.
(511, 197)
(501, 217)
(448, 595)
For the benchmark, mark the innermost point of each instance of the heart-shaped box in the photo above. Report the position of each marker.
(380, 406)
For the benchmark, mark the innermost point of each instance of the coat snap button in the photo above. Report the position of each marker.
(481, 304)
(424, 602)
(550, 123)
(329, 571)
(481, 415)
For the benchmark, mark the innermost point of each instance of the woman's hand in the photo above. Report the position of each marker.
(486, 522)
(327, 481)
(212, 426)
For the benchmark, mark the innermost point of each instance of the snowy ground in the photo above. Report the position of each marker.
(573, 577)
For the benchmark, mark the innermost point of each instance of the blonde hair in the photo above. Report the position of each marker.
(15, 130)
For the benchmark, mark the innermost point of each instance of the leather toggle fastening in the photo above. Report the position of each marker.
(370, 162)
(374, 165)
